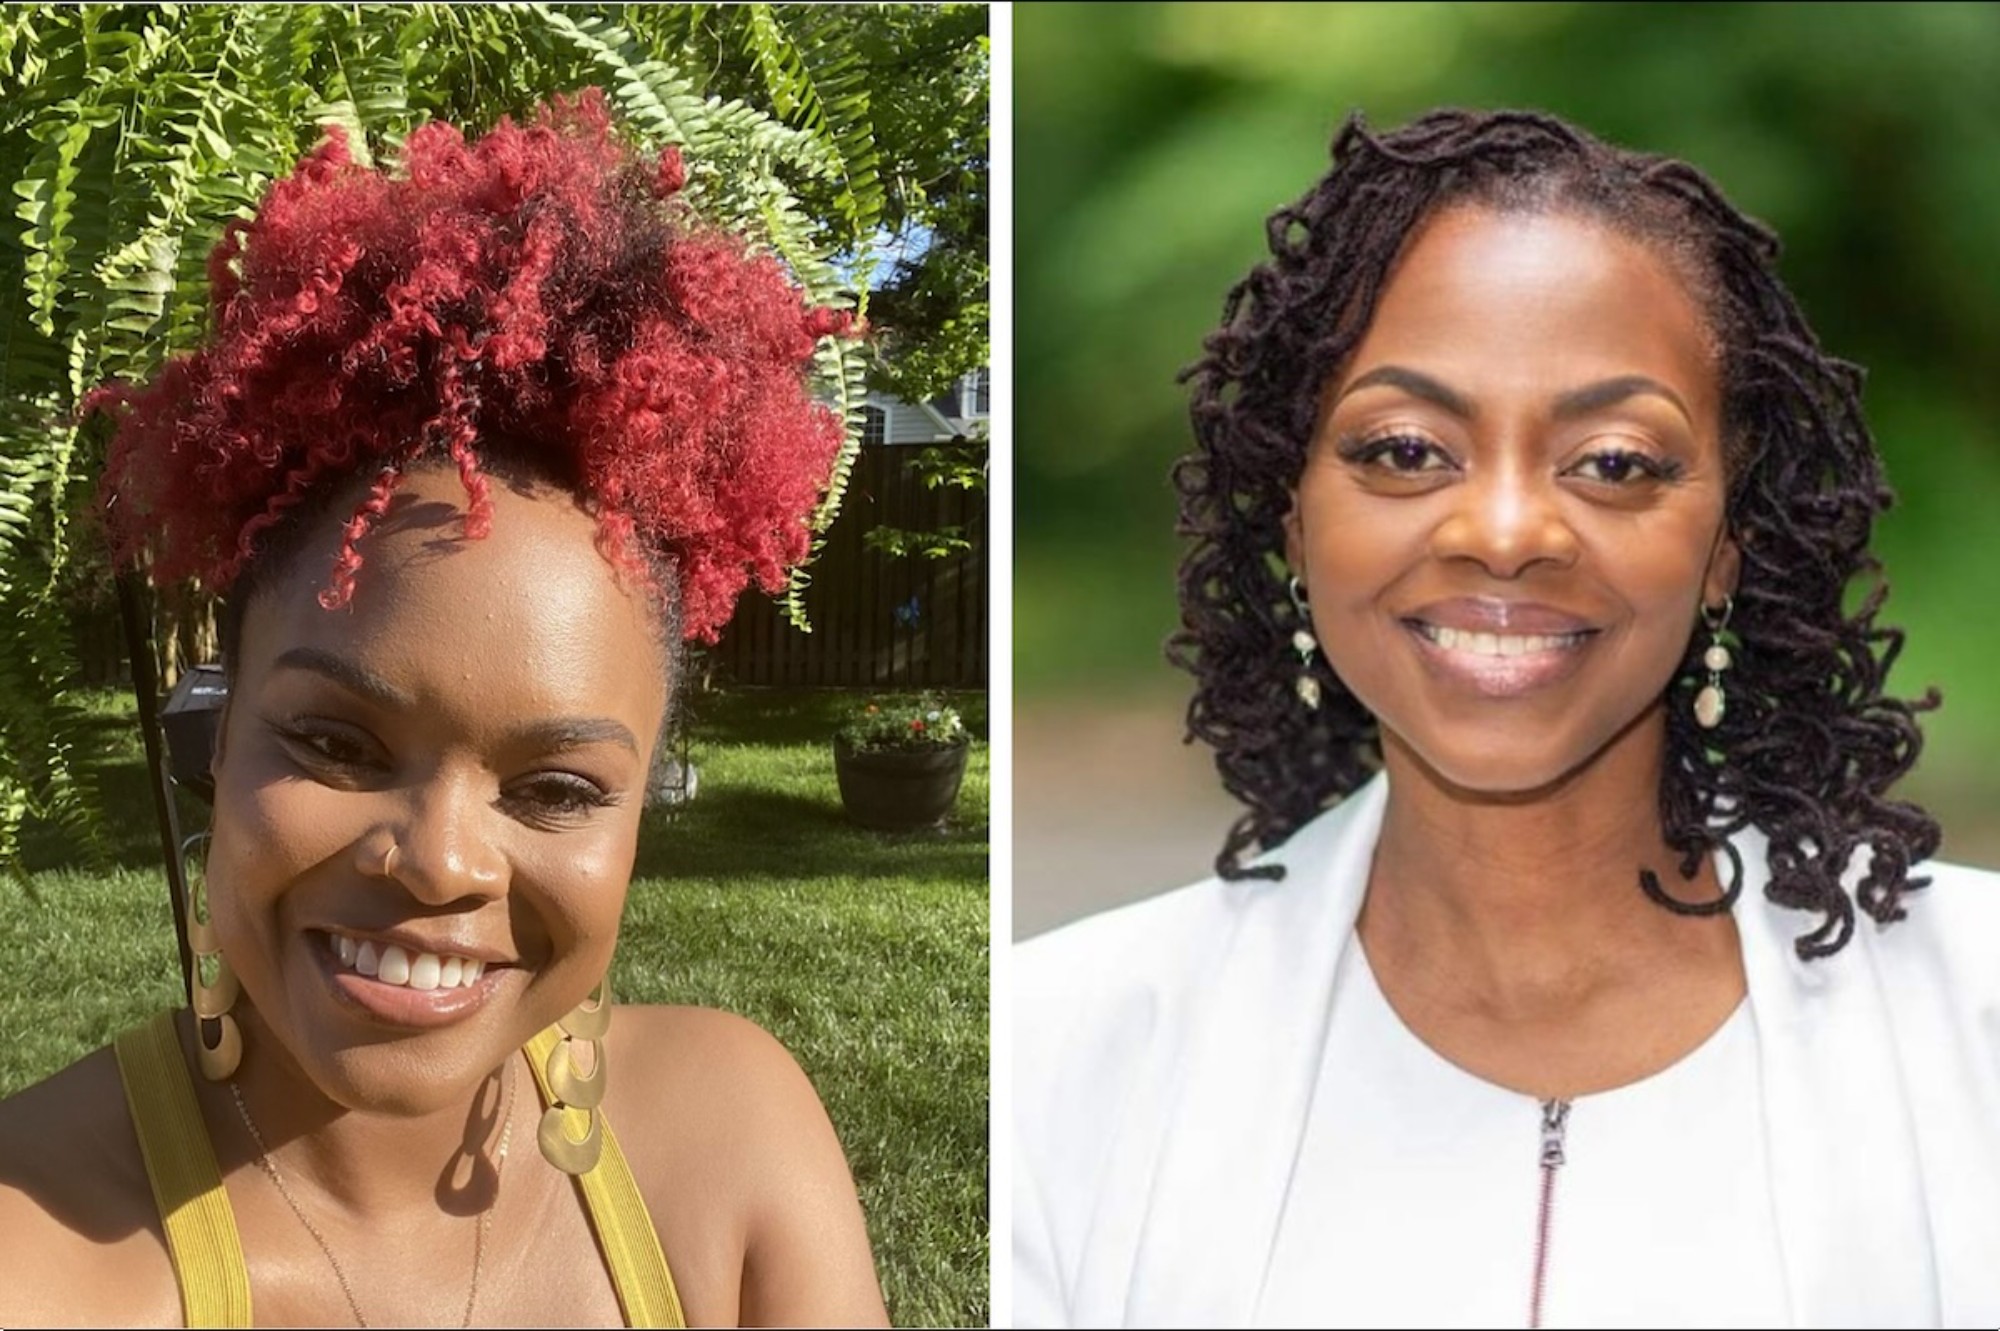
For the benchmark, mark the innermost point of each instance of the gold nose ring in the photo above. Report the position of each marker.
(389, 860)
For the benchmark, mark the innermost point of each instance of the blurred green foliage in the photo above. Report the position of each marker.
(1153, 140)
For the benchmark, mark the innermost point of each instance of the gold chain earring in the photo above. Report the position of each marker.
(212, 986)
(573, 1089)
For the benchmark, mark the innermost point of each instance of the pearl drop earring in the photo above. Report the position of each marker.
(1305, 644)
(1709, 703)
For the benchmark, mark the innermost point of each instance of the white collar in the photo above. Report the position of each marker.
(1225, 1109)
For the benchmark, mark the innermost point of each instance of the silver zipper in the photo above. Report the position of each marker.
(1555, 1123)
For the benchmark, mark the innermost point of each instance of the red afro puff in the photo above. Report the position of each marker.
(530, 291)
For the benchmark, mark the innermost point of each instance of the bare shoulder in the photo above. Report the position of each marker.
(76, 1207)
(742, 1169)
(686, 1078)
(658, 1037)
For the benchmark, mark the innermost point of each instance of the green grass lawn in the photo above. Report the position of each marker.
(865, 953)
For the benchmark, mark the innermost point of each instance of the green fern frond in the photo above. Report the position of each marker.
(47, 195)
(841, 368)
(16, 31)
(663, 106)
(819, 85)
(41, 731)
(376, 81)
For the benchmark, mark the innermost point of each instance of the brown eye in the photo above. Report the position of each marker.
(1621, 466)
(330, 747)
(557, 796)
(1403, 454)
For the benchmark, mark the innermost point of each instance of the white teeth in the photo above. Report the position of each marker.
(1499, 644)
(395, 966)
(392, 964)
(424, 971)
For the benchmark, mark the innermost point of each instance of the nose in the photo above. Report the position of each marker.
(1507, 519)
(439, 849)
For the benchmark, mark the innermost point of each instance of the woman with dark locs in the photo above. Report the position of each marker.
(471, 447)
(1571, 964)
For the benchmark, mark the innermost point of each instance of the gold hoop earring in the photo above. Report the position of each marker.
(212, 986)
(574, 1090)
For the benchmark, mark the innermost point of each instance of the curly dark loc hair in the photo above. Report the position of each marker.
(1809, 745)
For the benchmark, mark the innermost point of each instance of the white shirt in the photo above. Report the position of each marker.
(1417, 1193)
(1174, 1095)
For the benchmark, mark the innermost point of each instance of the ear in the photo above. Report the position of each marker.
(1725, 566)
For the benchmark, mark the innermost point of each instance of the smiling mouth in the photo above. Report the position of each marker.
(391, 964)
(1475, 643)
(402, 986)
(1498, 665)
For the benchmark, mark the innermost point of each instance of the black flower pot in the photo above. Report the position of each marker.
(898, 790)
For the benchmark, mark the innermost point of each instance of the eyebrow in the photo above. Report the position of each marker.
(1413, 382)
(574, 732)
(354, 678)
(1570, 405)
(551, 736)
(1609, 392)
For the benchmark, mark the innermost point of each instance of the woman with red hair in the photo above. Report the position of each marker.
(472, 446)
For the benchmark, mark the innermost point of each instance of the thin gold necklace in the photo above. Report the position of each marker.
(346, 1288)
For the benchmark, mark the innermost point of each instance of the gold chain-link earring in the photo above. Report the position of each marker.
(212, 986)
(573, 1089)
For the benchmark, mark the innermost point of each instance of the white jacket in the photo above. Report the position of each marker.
(1165, 1053)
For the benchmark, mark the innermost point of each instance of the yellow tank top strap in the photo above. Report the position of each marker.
(617, 1214)
(201, 1234)
(202, 1240)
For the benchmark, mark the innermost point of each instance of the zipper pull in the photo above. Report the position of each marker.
(1555, 1121)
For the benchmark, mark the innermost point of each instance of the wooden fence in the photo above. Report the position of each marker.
(878, 621)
